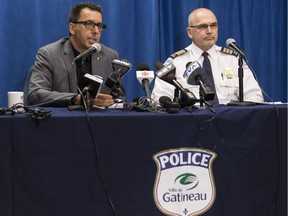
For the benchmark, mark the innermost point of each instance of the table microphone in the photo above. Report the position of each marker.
(120, 68)
(167, 74)
(122, 65)
(164, 71)
(96, 47)
(232, 43)
(195, 75)
(145, 77)
(163, 100)
(169, 105)
(93, 84)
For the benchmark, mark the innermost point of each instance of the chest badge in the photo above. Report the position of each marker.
(228, 73)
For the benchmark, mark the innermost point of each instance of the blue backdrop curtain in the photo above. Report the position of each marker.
(145, 32)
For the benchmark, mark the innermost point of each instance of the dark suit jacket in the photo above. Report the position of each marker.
(54, 77)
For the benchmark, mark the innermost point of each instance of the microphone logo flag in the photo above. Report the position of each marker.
(144, 73)
(194, 65)
(162, 72)
(121, 62)
(184, 183)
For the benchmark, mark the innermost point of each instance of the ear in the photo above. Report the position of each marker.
(72, 28)
(189, 32)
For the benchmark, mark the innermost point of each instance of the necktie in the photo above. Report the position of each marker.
(210, 81)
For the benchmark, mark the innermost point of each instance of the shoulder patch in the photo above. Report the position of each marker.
(178, 53)
(229, 51)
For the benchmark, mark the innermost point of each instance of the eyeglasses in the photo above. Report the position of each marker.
(91, 25)
(205, 26)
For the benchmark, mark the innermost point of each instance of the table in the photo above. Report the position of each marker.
(53, 168)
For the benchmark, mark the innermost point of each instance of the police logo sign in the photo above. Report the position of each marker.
(184, 184)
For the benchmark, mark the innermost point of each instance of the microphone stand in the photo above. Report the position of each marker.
(86, 93)
(118, 90)
(208, 105)
(86, 89)
(176, 95)
(205, 93)
(240, 76)
(173, 106)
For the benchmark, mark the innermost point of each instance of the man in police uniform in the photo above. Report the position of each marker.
(203, 30)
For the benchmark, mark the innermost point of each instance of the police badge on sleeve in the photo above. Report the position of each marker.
(184, 184)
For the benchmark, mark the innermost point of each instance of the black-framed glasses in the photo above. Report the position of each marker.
(91, 25)
(205, 26)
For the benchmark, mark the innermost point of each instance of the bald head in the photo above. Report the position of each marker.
(203, 28)
(199, 14)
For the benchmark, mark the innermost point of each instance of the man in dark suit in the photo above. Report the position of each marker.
(55, 81)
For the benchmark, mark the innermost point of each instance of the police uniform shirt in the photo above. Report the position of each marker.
(225, 73)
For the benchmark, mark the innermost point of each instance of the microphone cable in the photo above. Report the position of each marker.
(211, 122)
(91, 135)
(153, 106)
(20, 108)
(97, 159)
(86, 107)
(256, 78)
(96, 153)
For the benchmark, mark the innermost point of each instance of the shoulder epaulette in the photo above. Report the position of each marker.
(178, 53)
(229, 51)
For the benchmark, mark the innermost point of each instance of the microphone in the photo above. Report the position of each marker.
(145, 76)
(120, 68)
(124, 65)
(163, 100)
(169, 105)
(93, 84)
(96, 47)
(232, 43)
(164, 71)
(159, 65)
(167, 74)
(113, 78)
(195, 75)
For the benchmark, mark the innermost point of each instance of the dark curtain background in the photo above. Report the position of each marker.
(147, 31)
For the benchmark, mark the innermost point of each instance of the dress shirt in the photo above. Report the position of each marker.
(225, 74)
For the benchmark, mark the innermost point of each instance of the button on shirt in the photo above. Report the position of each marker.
(225, 74)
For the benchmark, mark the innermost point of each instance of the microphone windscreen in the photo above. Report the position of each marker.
(229, 41)
(188, 63)
(158, 65)
(163, 100)
(142, 67)
(198, 73)
(97, 47)
(170, 77)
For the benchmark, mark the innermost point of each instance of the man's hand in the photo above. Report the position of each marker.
(102, 100)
